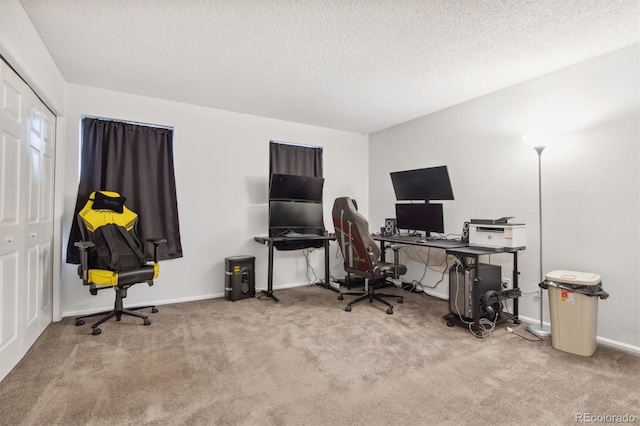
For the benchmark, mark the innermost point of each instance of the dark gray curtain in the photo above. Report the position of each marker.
(137, 162)
(295, 160)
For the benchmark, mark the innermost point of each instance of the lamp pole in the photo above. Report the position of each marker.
(541, 330)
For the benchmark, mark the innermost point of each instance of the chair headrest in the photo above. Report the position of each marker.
(93, 216)
(107, 200)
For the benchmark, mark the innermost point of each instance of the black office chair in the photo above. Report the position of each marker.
(102, 208)
(361, 253)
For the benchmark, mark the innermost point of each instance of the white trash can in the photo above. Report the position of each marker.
(573, 307)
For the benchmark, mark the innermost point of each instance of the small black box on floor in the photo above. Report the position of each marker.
(239, 282)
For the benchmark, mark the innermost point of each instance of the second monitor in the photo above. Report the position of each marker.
(420, 217)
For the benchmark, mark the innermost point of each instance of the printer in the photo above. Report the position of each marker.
(497, 233)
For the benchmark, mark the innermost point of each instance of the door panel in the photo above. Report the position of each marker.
(46, 217)
(33, 276)
(13, 130)
(27, 166)
(8, 300)
(9, 172)
(47, 276)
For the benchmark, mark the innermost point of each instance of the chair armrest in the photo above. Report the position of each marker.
(375, 270)
(83, 272)
(83, 245)
(396, 261)
(156, 242)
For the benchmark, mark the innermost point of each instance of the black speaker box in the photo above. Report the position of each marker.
(239, 280)
(465, 233)
(389, 229)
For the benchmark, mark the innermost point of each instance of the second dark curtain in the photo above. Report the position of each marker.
(295, 159)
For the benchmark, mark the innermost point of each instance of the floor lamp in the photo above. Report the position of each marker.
(539, 330)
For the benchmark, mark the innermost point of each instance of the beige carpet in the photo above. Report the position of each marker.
(305, 361)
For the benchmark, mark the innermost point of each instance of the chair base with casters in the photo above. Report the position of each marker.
(118, 310)
(370, 295)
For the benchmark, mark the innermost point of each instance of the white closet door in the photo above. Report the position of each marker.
(26, 226)
(39, 222)
(13, 126)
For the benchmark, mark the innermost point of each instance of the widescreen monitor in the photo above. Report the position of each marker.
(295, 187)
(426, 184)
(299, 216)
(420, 217)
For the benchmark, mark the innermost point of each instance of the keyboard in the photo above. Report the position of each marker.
(298, 235)
(410, 238)
(432, 241)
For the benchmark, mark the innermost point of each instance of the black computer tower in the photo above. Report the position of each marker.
(239, 277)
(460, 286)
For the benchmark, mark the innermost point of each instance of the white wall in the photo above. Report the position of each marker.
(590, 178)
(21, 45)
(221, 165)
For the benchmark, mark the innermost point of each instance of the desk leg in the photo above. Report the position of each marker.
(516, 320)
(475, 298)
(327, 275)
(269, 291)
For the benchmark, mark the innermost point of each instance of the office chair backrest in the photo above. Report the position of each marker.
(107, 222)
(105, 207)
(360, 251)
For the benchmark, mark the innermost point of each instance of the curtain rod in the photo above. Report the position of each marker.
(137, 123)
(295, 144)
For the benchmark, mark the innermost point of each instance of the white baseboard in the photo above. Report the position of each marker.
(151, 302)
(602, 340)
(170, 301)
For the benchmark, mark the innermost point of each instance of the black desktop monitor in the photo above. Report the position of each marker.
(295, 187)
(420, 217)
(299, 216)
(431, 183)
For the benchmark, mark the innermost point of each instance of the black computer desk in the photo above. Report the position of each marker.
(270, 242)
(464, 251)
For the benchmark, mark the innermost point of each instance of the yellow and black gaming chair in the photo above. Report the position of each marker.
(102, 208)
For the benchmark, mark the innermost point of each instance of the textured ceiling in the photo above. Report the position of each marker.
(354, 65)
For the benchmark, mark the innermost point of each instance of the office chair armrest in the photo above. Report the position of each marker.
(375, 269)
(156, 242)
(83, 272)
(396, 259)
(83, 245)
